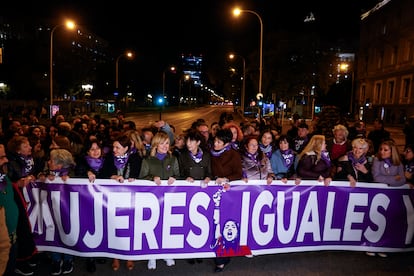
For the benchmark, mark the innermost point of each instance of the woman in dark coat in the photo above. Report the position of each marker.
(21, 172)
(123, 164)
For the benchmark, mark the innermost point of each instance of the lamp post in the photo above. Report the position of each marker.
(129, 55)
(70, 25)
(344, 67)
(243, 91)
(237, 12)
(172, 69)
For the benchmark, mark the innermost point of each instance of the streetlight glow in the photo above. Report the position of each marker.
(243, 92)
(69, 25)
(236, 13)
(129, 55)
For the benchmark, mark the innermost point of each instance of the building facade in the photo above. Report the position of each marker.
(386, 62)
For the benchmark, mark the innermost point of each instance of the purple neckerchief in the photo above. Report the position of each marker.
(325, 157)
(94, 163)
(355, 161)
(268, 150)
(387, 162)
(120, 161)
(29, 164)
(234, 145)
(287, 157)
(219, 152)
(3, 181)
(160, 156)
(198, 156)
(253, 157)
(61, 172)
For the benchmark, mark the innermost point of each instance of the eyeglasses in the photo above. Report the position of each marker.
(408, 151)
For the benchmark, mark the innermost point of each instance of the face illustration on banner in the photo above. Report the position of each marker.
(230, 231)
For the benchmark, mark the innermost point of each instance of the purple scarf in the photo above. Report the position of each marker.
(287, 157)
(94, 163)
(355, 161)
(3, 181)
(61, 172)
(268, 150)
(325, 157)
(253, 157)
(387, 163)
(219, 152)
(160, 156)
(29, 164)
(121, 161)
(198, 156)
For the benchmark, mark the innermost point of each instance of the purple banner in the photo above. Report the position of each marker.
(139, 220)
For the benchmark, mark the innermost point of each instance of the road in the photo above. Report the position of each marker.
(182, 120)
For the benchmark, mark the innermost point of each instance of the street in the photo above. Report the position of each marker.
(182, 120)
(287, 264)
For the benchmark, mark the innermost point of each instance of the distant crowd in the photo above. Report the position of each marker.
(219, 152)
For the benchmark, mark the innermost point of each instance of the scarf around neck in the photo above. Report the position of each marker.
(268, 150)
(29, 164)
(355, 161)
(387, 163)
(217, 153)
(94, 163)
(198, 156)
(121, 161)
(325, 157)
(3, 181)
(287, 157)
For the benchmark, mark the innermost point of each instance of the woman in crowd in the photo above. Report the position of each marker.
(21, 171)
(60, 164)
(237, 134)
(267, 142)
(195, 161)
(124, 164)
(338, 145)
(314, 162)
(408, 162)
(387, 167)
(91, 165)
(354, 166)
(161, 164)
(283, 160)
(255, 164)
(226, 166)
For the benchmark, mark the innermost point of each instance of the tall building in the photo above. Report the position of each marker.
(386, 62)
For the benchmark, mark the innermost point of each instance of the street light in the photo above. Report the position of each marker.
(171, 69)
(129, 55)
(186, 78)
(161, 100)
(232, 56)
(237, 12)
(70, 25)
(344, 67)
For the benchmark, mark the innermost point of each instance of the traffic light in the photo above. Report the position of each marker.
(160, 101)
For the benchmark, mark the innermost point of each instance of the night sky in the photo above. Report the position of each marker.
(160, 31)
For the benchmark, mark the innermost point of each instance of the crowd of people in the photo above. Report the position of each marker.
(218, 152)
